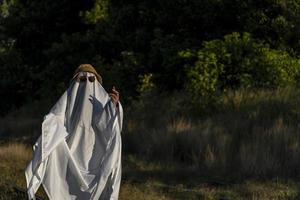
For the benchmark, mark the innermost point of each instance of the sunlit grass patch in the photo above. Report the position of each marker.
(14, 158)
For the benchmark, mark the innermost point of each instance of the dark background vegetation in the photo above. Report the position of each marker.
(205, 46)
(211, 84)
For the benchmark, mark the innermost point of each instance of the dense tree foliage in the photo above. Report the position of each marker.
(238, 61)
(42, 42)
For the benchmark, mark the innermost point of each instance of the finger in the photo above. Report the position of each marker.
(115, 91)
(113, 94)
(114, 88)
(114, 97)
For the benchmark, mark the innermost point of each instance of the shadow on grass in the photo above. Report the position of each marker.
(180, 182)
(176, 182)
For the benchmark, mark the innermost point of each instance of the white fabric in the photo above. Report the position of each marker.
(78, 155)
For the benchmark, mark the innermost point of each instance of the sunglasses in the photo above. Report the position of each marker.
(84, 78)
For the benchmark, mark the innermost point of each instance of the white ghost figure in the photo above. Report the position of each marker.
(78, 155)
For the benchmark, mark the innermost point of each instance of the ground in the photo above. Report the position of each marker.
(153, 181)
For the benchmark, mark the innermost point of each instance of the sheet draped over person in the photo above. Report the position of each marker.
(78, 155)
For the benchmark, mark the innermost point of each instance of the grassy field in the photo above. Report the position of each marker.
(245, 145)
(154, 181)
(244, 134)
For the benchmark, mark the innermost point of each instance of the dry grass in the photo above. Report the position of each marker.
(245, 146)
(152, 181)
(14, 158)
(15, 151)
(244, 134)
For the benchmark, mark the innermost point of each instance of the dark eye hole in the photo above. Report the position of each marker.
(91, 78)
(82, 78)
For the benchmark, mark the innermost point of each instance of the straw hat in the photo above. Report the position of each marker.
(87, 68)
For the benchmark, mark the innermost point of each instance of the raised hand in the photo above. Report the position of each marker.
(114, 96)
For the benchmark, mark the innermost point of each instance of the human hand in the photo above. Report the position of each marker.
(114, 96)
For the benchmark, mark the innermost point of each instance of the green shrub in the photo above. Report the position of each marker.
(238, 61)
